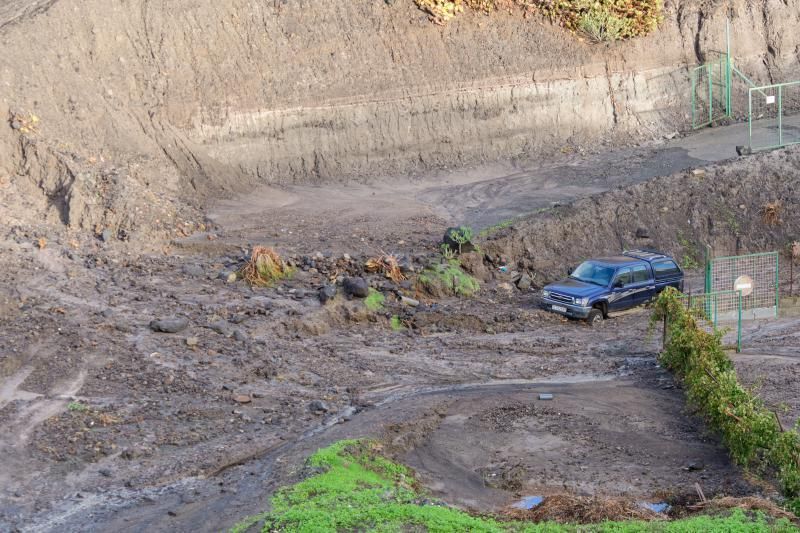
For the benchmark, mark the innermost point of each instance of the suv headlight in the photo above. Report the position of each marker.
(583, 302)
(545, 294)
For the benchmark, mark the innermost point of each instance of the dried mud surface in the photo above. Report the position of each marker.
(108, 425)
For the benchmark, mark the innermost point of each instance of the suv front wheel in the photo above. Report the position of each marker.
(595, 317)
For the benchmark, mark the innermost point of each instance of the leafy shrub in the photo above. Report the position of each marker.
(601, 25)
(751, 432)
(448, 279)
(600, 19)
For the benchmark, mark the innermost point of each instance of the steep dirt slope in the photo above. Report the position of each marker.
(722, 206)
(182, 99)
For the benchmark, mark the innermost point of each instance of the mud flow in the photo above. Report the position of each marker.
(150, 382)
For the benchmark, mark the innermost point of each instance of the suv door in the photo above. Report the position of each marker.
(643, 284)
(621, 296)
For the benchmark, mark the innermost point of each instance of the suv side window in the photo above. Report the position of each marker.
(624, 276)
(665, 269)
(640, 274)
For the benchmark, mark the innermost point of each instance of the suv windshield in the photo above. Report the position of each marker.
(590, 272)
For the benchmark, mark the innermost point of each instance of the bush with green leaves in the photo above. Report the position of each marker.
(603, 20)
(748, 428)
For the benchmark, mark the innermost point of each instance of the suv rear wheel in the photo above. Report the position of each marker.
(595, 317)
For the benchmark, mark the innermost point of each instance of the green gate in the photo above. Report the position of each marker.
(756, 276)
(769, 124)
(711, 94)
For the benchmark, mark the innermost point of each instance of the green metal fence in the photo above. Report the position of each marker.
(770, 126)
(711, 91)
(716, 308)
(755, 275)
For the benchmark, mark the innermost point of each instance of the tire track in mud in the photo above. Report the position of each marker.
(168, 508)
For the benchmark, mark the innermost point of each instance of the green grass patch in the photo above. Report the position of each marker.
(396, 323)
(374, 301)
(355, 488)
(748, 428)
(76, 407)
(448, 278)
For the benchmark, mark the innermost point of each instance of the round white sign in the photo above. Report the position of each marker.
(744, 284)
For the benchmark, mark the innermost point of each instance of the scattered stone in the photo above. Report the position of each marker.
(357, 287)
(411, 302)
(193, 270)
(743, 150)
(347, 257)
(106, 235)
(505, 287)
(222, 327)
(642, 233)
(698, 172)
(227, 276)
(299, 294)
(318, 406)
(242, 398)
(105, 472)
(169, 325)
(191, 342)
(240, 335)
(327, 293)
(524, 283)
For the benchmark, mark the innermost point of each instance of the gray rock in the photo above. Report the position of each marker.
(327, 293)
(106, 235)
(222, 327)
(642, 233)
(193, 270)
(524, 283)
(227, 276)
(356, 287)
(240, 335)
(169, 325)
(318, 406)
(411, 302)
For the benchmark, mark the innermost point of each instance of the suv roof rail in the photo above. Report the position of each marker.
(645, 255)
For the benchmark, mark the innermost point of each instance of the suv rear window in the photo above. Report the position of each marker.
(666, 269)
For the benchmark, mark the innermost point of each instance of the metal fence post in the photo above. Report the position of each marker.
(780, 115)
(739, 326)
(710, 74)
(750, 116)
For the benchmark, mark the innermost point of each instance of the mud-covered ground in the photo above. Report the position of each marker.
(109, 425)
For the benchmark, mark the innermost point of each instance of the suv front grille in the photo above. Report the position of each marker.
(561, 298)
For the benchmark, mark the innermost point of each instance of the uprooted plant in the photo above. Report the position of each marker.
(386, 264)
(771, 213)
(265, 267)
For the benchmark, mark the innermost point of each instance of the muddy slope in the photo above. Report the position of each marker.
(722, 206)
(186, 99)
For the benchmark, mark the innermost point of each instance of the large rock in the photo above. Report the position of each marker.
(327, 293)
(356, 287)
(169, 325)
(524, 283)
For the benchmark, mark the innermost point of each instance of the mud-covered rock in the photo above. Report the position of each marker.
(356, 287)
(327, 293)
(169, 325)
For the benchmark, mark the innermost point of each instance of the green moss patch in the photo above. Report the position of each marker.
(448, 278)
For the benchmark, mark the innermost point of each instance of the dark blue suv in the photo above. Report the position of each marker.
(601, 287)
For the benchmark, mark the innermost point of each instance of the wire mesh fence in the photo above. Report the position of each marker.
(771, 122)
(710, 91)
(756, 276)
